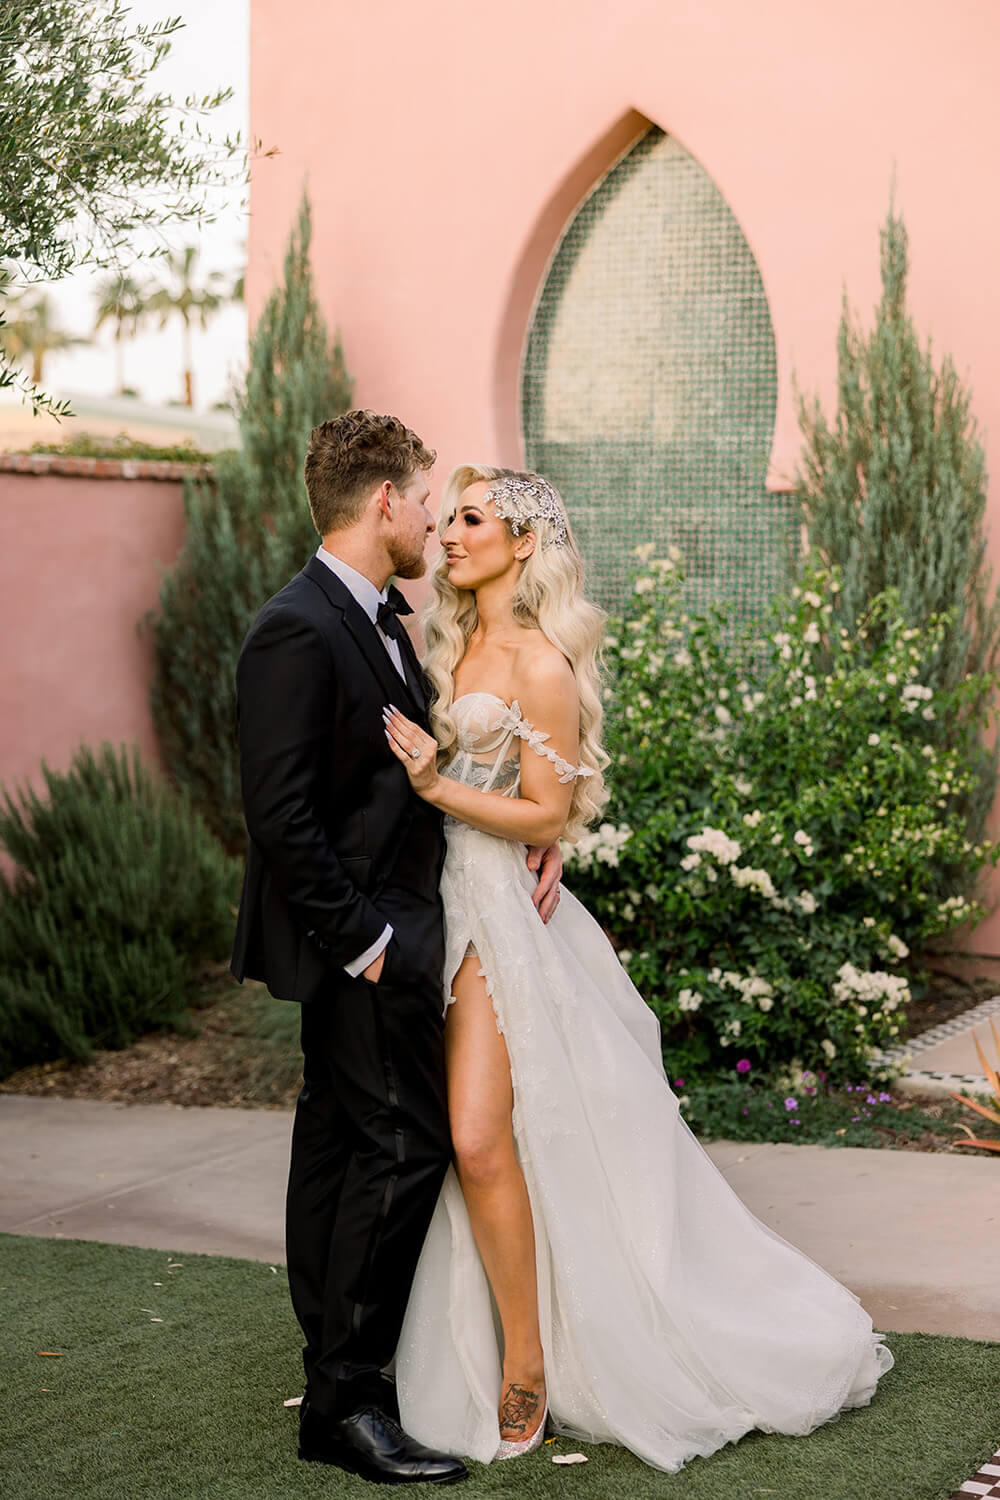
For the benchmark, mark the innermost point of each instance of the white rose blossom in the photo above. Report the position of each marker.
(888, 991)
(713, 841)
(602, 847)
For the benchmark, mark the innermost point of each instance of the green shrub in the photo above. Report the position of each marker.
(247, 534)
(123, 446)
(807, 1109)
(119, 893)
(778, 841)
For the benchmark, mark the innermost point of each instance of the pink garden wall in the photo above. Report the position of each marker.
(445, 145)
(80, 564)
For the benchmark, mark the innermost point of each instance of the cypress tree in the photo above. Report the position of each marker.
(893, 494)
(247, 533)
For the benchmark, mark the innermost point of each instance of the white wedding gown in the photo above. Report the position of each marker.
(672, 1320)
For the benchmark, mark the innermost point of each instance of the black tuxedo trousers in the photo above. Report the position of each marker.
(339, 847)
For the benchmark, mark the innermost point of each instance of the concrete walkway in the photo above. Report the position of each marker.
(944, 1060)
(914, 1235)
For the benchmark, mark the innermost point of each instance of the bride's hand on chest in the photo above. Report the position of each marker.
(414, 748)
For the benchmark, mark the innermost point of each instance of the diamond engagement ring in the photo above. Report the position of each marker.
(415, 753)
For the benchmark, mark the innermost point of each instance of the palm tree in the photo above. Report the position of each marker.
(34, 331)
(180, 295)
(122, 302)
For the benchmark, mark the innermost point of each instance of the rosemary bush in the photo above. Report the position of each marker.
(119, 895)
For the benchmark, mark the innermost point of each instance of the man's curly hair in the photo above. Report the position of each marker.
(351, 455)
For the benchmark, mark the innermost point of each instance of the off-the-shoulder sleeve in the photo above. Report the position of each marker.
(518, 724)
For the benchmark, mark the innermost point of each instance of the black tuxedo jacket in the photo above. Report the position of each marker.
(339, 844)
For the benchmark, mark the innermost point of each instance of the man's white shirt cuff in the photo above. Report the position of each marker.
(360, 964)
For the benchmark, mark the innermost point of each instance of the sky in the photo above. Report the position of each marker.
(210, 52)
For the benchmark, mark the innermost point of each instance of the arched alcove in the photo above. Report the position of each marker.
(649, 382)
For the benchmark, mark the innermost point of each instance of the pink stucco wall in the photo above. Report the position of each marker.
(80, 564)
(446, 144)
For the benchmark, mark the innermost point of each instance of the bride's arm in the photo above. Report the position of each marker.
(550, 702)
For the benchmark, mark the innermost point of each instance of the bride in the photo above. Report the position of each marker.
(586, 1263)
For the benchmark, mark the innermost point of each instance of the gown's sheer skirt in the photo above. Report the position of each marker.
(672, 1320)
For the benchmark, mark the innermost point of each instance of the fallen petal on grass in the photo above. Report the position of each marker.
(293, 1401)
(569, 1458)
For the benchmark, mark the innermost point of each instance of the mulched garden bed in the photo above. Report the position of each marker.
(242, 1052)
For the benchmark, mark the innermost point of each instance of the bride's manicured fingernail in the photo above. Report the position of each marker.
(393, 707)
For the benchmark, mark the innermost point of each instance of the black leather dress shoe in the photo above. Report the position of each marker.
(370, 1443)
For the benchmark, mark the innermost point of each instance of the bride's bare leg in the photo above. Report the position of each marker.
(480, 1103)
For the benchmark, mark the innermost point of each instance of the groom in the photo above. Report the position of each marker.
(341, 911)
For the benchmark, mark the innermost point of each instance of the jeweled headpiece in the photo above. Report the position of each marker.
(523, 500)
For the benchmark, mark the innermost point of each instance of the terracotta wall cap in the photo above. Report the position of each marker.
(102, 468)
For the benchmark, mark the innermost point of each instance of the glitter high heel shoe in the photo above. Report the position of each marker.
(527, 1445)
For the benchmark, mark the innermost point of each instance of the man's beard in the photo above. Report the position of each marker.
(406, 565)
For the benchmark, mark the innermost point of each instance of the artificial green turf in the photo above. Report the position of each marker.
(190, 1408)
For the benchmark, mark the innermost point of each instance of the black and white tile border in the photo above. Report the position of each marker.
(985, 1484)
(943, 1082)
(954, 1027)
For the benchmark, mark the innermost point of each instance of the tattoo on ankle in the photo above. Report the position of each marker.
(518, 1407)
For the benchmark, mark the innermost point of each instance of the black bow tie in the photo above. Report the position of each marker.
(387, 618)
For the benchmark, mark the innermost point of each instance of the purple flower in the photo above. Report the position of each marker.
(678, 1083)
(743, 1066)
(796, 1122)
(746, 1111)
(810, 1091)
(855, 1118)
(821, 1077)
(871, 1099)
(791, 1103)
(885, 1098)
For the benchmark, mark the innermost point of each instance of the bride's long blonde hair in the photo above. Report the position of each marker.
(549, 597)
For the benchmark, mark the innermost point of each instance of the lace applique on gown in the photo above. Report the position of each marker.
(672, 1320)
(490, 735)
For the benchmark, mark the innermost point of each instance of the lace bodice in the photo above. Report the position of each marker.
(488, 754)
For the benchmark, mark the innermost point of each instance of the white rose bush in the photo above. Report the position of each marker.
(788, 824)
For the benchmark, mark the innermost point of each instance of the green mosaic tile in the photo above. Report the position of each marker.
(649, 383)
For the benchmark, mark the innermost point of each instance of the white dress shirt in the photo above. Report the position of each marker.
(369, 597)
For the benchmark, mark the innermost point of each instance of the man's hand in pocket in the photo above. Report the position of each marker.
(374, 969)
